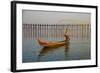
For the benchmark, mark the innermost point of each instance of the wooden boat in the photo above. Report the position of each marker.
(46, 43)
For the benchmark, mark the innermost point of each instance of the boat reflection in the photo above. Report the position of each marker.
(49, 50)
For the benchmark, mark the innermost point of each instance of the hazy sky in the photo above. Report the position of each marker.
(49, 17)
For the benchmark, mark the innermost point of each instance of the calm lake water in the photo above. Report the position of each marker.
(33, 52)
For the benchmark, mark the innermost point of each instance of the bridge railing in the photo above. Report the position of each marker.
(54, 31)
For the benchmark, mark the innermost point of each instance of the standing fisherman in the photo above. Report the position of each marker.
(66, 36)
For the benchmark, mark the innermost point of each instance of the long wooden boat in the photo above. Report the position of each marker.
(46, 43)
